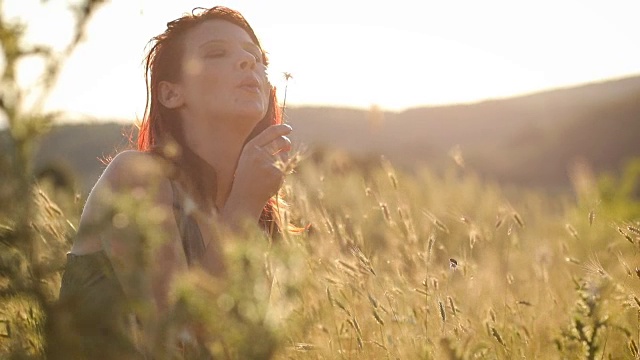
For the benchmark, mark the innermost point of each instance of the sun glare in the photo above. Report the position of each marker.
(357, 54)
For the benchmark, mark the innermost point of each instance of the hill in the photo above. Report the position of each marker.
(528, 140)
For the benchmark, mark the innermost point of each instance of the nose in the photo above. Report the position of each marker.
(247, 61)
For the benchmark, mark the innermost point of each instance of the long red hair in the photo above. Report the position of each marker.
(159, 126)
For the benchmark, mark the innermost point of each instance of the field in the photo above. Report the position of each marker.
(427, 265)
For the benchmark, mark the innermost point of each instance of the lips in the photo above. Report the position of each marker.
(250, 84)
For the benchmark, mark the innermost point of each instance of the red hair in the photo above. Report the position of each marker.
(159, 127)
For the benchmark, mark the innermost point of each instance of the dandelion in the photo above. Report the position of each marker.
(286, 76)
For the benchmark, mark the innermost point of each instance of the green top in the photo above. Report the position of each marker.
(98, 323)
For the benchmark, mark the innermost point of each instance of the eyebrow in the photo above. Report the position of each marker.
(246, 43)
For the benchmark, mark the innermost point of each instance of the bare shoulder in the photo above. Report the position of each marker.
(137, 171)
(131, 174)
(132, 168)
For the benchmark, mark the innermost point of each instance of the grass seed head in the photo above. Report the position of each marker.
(385, 212)
(497, 336)
(572, 231)
(518, 219)
(626, 236)
(633, 229)
(432, 240)
(372, 300)
(633, 348)
(443, 313)
(452, 305)
(378, 318)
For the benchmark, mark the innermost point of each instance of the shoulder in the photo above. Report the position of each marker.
(132, 167)
(134, 175)
(136, 171)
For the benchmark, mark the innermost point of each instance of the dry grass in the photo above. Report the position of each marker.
(400, 266)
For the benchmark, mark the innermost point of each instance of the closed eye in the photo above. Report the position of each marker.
(215, 54)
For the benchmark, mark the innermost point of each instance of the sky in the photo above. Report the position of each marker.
(394, 54)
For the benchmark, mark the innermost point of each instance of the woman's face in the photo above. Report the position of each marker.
(223, 76)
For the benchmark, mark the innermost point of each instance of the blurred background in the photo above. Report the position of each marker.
(517, 92)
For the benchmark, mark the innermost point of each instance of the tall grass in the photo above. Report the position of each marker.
(394, 266)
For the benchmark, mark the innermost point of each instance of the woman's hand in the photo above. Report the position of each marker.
(258, 176)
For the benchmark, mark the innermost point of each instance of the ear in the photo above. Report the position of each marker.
(170, 94)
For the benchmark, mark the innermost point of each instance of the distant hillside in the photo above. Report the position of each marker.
(524, 140)
(528, 140)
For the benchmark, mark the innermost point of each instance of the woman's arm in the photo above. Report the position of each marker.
(129, 215)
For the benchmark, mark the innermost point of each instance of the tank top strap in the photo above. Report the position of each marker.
(190, 234)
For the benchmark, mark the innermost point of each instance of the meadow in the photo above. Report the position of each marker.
(393, 265)
(411, 262)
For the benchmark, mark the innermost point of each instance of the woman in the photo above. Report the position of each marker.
(209, 146)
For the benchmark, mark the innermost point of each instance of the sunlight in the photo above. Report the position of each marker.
(339, 54)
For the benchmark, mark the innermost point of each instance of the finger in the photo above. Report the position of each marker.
(283, 158)
(279, 144)
(270, 134)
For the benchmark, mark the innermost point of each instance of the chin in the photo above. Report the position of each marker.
(250, 117)
(252, 111)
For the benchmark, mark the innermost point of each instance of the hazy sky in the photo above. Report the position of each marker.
(396, 54)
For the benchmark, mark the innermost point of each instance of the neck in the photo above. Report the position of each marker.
(218, 143)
